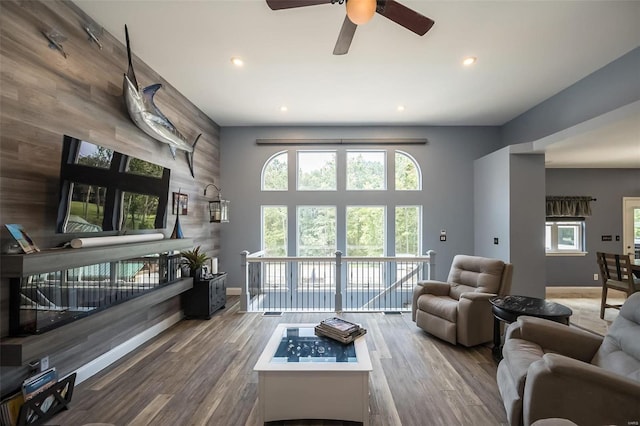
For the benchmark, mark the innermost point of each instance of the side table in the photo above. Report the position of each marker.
(206, 297)
(508, 308)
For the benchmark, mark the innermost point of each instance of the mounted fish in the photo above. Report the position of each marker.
(146, 115)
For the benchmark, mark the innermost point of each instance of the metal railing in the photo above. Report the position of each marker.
(332, 284)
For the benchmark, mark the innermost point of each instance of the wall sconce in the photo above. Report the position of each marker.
(218, 208)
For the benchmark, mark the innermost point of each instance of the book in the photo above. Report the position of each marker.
(339, 329)
(10, 408)
(38, 383)
(340, 325)
(22, 238)
(342, 339)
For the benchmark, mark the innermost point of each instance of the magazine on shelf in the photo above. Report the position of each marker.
(38, 383)
(10, 408)
(22, 238)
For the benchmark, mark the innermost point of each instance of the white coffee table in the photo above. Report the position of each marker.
(303, 376)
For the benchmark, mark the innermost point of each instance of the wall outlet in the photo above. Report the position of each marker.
(44, 363)
(595, 277)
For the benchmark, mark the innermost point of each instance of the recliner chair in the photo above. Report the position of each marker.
(458, 310)
(552, 370)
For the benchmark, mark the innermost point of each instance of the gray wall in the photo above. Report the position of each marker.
(611, 87)
(509, 205)
(447, 197)
(608, 186)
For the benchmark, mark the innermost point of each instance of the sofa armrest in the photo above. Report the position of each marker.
(556, 337)
(477, 296)
(437, 288)
(559, 386)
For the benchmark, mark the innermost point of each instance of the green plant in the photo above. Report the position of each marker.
(194, 258)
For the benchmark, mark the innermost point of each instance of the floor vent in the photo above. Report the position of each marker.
(392, 313)
(272, 314)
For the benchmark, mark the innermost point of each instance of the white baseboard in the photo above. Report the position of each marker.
(108, 358)
(234, 291)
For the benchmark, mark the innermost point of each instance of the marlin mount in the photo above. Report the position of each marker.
(146, 115)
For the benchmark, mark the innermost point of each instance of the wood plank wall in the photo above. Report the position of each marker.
(45, 96)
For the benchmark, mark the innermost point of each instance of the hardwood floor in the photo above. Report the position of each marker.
(201, 373)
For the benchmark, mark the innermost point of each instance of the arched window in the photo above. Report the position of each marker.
(275, 173)
(353, 208)
(408, 176)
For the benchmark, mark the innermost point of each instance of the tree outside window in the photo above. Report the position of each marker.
(317, 171)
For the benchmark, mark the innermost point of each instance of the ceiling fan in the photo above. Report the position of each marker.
(360, 12)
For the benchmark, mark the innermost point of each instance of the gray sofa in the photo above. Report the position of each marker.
(551, 370)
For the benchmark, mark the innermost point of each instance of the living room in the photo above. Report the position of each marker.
(480, 182)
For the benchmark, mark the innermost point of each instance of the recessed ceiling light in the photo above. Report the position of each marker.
(400, 107)
(237, 61)
(469, 61)
(284, 108)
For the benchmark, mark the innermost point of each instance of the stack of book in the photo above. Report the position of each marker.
(338, 329)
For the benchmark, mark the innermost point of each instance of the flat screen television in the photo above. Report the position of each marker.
(103, 191)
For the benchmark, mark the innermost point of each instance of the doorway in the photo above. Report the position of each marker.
(631, 226)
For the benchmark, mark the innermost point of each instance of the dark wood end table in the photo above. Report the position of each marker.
(508, 308)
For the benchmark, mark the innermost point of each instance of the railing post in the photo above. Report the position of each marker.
(432, 265)
(338, 306)
(244, 297)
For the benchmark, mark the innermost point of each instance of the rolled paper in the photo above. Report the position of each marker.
(214, 265)
(117, 239)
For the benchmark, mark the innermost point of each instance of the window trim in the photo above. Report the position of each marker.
(554, 222)
(333, 151)
(267, 164)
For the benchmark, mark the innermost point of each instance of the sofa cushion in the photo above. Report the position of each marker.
(620, 350)
(442, 307)
(480, 273)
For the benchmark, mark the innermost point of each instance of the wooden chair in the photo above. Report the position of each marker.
(615, 270)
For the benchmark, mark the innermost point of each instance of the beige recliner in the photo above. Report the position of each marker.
(458, 310)
(551, 370)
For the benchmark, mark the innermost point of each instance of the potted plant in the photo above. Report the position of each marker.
(194, 259)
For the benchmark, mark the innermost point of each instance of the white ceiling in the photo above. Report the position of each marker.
(527, 51)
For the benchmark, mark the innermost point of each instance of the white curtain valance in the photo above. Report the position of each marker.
(563, 206)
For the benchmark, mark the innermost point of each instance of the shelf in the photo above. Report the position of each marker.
(18, 351)
(20, 265)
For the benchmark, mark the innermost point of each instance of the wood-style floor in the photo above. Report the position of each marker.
(201, 373)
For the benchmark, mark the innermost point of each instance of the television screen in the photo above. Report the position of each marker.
(103, 190)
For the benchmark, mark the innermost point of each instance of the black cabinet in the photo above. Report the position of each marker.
(206, 297)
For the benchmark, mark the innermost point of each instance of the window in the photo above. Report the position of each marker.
(275, 174)
(365, 231)
(408, 230)
(564, 236)
(274, 230)
(317, 171)
(357, 226)
(407, 173)
(316, 231)
(366, 170)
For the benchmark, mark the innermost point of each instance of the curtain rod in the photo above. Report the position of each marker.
(369, 141)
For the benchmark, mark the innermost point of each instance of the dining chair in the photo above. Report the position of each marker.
(616, 273)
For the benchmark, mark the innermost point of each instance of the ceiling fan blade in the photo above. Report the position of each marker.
(402, 15)
(344, 38)
(289, 4)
